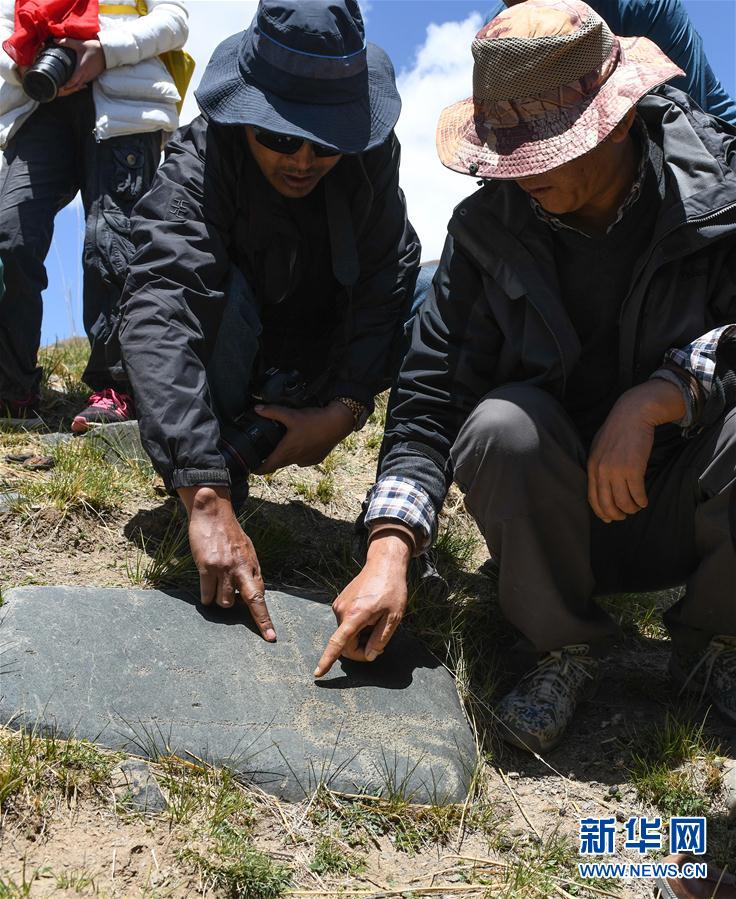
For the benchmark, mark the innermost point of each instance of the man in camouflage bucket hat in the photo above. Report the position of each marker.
(573, 372)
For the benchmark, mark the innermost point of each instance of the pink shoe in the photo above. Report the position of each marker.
(103, 408)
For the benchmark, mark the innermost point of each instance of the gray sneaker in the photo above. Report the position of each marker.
(536, 713)
(712, 674)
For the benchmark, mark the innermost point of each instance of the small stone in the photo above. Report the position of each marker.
(729, 788)
(135, 786)
(7, 500)
(121, 442)
(52, 440)
(513, 775)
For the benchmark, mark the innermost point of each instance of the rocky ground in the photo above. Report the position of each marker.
(69, 825)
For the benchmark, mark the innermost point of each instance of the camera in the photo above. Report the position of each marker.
(52, 69)
(251, 438)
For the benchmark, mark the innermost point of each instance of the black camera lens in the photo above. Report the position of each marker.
(51, 71)
(247, 445)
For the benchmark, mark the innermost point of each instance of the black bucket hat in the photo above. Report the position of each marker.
(304, 68)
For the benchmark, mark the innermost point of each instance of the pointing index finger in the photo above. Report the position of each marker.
(253, 595)
(335, 646)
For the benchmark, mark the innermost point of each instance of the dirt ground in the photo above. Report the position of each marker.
(517, 835)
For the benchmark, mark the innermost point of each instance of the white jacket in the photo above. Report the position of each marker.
(135, 93)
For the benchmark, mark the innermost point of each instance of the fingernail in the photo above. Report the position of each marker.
(317, 672)
(258, 408)
(371, 655)
(271, 634)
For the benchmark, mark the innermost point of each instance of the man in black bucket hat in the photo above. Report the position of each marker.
(274, 270)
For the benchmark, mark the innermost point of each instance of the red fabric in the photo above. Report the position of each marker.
(38, 20)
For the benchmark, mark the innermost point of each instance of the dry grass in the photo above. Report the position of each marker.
(515, 836)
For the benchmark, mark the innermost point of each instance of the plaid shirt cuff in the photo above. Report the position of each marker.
(699, 357)
(402, 499)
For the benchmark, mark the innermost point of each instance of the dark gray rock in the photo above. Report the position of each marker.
(13, 425)
(7, 499)
(120, 442)
(136, 788)
(49, 441)
(150, 672)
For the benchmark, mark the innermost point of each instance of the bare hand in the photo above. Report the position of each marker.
(621, 449)
(311, 434)
(90, 64)
(224, 555)
(376, 598)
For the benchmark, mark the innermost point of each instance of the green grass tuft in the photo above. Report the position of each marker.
(81, 482)
(672, 766)
(330, 857)
(241, 872)
(43, 765)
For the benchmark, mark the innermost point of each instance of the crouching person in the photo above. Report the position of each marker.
(274, 268)
(573, 372)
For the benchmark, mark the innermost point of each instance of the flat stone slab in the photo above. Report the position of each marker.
(149, 672)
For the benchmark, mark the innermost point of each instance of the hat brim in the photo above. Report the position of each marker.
(541, 144)
(227, 97)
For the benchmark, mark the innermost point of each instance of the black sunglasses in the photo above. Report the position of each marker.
(288, 145)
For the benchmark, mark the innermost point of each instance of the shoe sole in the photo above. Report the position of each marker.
(80, 424)
(527, 742)
(662, 890)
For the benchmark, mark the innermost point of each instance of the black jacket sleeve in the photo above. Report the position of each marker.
(388, 254)
(173, 297)
(448, 369)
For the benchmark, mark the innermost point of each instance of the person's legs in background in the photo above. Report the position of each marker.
(40, 176)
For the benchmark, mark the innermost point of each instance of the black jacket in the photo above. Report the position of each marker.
(206, 213)
(497, 316)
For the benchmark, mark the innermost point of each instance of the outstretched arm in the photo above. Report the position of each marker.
(370, 608)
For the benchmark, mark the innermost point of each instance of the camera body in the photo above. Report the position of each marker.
(52, 69)
(250, 440)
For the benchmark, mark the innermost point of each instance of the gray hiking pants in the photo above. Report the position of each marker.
(522, 468)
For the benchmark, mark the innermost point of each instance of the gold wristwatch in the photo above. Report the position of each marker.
(360, 413)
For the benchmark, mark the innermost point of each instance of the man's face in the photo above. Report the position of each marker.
(571, 187)
(293, 176)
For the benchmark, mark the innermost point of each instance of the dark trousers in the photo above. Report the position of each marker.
(232, 372)
(53, 156)
(522, 467)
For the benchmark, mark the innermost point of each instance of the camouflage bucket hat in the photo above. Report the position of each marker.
(550, 83)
